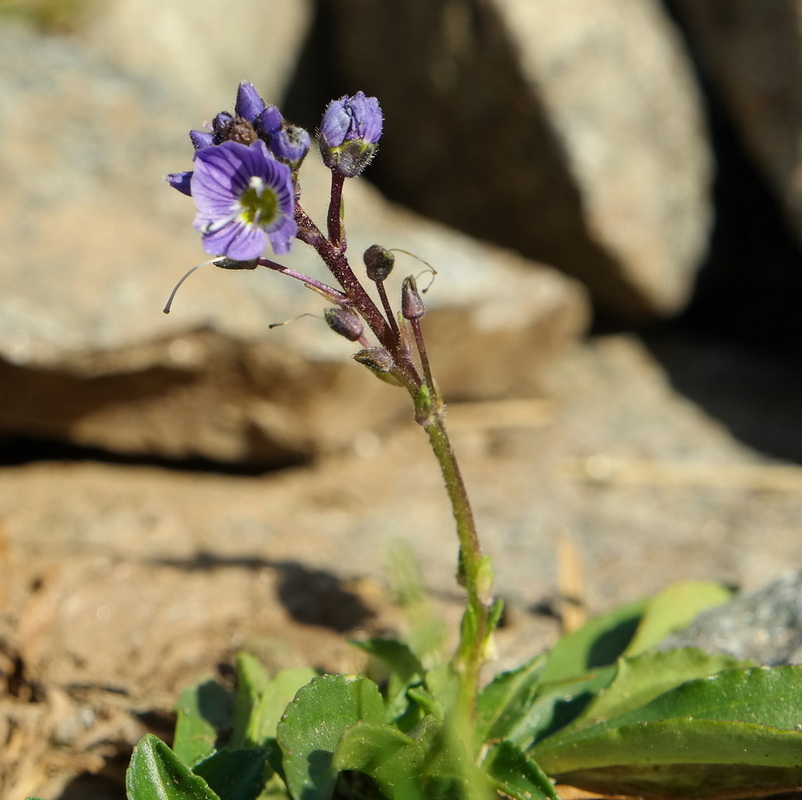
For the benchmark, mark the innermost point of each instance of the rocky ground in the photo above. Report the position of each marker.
(122, 583)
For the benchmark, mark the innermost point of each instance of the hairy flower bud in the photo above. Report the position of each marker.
(290, 144)
(349, 133)
(379, 262)
(412, 306)
(345, 322)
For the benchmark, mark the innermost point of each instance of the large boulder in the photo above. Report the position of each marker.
(753, 53)
(571, 132)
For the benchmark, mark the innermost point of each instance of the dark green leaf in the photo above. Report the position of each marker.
(312, 726)
(516, 775)
(156, 773)
(204, 712)
(235, 774)
(737, 728)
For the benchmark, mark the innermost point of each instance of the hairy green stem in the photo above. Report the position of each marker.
(474, 568)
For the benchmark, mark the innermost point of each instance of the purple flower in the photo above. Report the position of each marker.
(349, 133)
(243, 195)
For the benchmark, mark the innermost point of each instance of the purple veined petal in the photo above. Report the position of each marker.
(201, 139)
(236, 240)
(249, 104)
(229, 186)
(282, 237)
(181, 181)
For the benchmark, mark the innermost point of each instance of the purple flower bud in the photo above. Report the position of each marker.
(290, 144)
(349, 133)
(249, 104)
(201, 139)
(345, 322)
(269, 122)
(221, 122)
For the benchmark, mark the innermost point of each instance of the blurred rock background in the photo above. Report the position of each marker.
(610, 193)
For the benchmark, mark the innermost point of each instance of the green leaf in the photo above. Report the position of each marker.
(235, 774)
(402, 663)
(156, 773)
(261, 701)
(557, 705)
(432, 762)
(312, 725)
(252, 683)
(516, 775)
(366, 746)
(203, 712)
(640, 679)
(674, 609)
(598, 643)
(502, 702)
(705, 738)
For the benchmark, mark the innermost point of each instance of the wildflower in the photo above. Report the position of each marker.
(349, 133)
(242, 195)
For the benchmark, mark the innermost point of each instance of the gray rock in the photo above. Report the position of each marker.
(753, 52)
(569, 131)
(764, 626)
(94, 240)
(200, 52)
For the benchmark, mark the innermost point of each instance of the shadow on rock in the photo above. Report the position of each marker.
(310, 596)
(756, 395)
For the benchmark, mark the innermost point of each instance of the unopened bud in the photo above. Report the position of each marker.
(345, 322)
(379, 262)
(376, 359)
(412, 306)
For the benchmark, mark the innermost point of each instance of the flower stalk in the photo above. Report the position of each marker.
(245, 186)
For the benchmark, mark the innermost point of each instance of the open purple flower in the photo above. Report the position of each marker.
(349, 133)
(243, 195)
